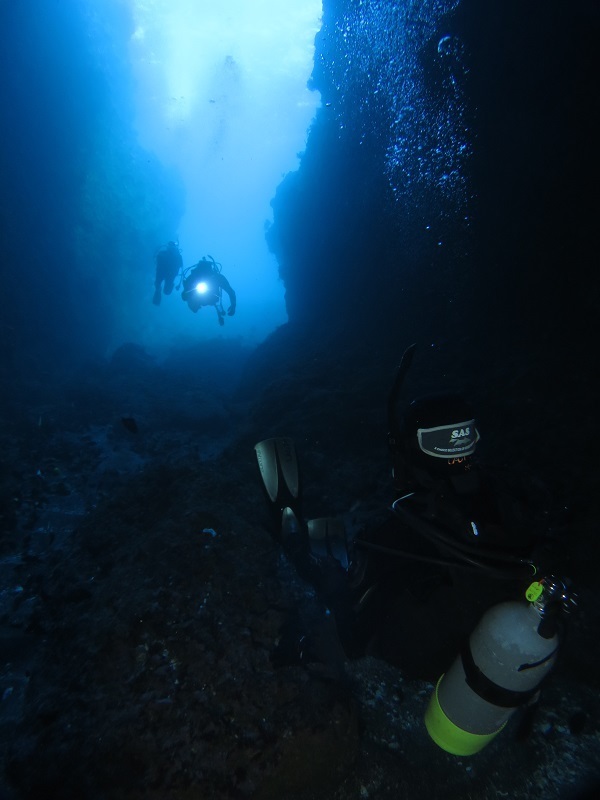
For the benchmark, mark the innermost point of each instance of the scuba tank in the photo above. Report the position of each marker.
(511, 651)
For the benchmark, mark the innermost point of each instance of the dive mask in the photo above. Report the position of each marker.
(449, 441)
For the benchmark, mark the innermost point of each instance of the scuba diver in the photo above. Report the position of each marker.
(204, 286)
(457, 539)
(168, 264)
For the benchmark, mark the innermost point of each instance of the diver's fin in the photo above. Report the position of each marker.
(327, 537)
(279, 469)
(290, 524)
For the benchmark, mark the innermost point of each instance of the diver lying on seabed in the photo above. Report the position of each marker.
(456, 546)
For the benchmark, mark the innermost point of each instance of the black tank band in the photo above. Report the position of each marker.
(486, 688)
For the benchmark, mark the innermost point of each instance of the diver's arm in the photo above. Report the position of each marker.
(224, 284)
(187, 287)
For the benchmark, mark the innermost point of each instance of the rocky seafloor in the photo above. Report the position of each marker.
(142, 600)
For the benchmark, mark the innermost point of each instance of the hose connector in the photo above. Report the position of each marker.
(553, 598)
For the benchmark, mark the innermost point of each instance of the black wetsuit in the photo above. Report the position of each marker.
(213, 286)
(168, 264)
(421, 578)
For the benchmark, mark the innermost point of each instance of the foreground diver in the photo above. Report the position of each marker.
(168, 264)
(204, 286)
(456, 540)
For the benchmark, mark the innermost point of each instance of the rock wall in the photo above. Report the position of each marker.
(445, 197)
(454, 151)
(81, 204)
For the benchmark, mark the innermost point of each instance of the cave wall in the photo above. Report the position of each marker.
(532, 85)
(82, 206)
(512, 238)
(370, 220)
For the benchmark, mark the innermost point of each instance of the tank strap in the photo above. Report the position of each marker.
(486, 688)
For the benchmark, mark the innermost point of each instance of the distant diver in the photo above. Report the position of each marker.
(168, 265)
(204, 287)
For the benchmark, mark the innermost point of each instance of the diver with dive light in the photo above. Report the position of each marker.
(203, 285)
